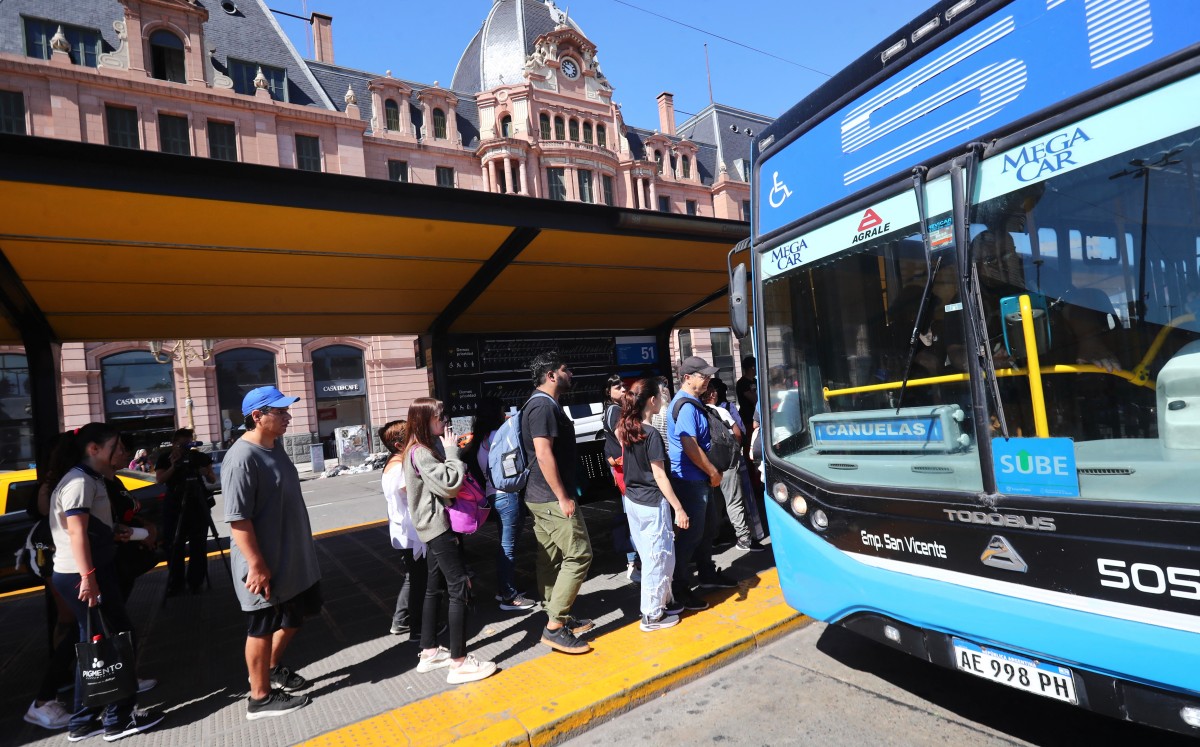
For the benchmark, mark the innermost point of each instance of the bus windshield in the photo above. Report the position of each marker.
(1093, 226)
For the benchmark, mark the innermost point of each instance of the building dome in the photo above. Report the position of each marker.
(496, 56)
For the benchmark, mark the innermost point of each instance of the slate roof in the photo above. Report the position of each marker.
(496, 55)
(712, 125)
(334, 79)
(706, 155)
(250, 34)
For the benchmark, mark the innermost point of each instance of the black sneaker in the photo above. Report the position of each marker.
(579, 627)
(139, 721)
(564, 640)
(674, 608)
(277, 703)
(285, 679)
(717, 580)
(87, 731)
(650, 624)
(751, 545)
(398, 629)
(692, 602)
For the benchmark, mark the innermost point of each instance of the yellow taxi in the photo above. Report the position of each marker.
(18, 514)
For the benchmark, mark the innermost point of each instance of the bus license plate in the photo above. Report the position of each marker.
(1039, 678)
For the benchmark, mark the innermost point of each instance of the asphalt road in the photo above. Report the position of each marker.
(825, 686)
(333, 502)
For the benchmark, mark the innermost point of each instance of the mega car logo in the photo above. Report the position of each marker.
(870, 226)
(788, 255)
(1051, 155)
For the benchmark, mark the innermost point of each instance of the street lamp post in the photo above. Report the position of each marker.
(182, 353)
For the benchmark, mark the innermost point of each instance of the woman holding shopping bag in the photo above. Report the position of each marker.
(433, 477)
(85, 572)
(649, 500)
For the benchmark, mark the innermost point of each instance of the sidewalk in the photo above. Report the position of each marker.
(365, 686)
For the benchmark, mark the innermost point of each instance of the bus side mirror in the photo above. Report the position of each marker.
(739, 319)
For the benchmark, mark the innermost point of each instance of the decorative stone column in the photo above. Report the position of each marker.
(493, 185)
(524, 177)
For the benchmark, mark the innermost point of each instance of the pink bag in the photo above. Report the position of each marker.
(470, 508)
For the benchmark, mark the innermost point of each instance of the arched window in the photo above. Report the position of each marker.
(544, 125)
(506, 128)
(573, 125)
(601, 136)
(587, 132)
(391, 113)
(560, 131)
(686, 167)
(658, 158)
(166, 57)
(139, 396)
(439, 124)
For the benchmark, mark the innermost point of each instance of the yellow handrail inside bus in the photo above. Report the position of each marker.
(1141, 372)
(1001, 373)
(1041, 425)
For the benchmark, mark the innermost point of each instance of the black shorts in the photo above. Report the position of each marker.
(290, 614)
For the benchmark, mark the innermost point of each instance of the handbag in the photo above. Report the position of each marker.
(618, 472)
(470, 508)
(106, 662)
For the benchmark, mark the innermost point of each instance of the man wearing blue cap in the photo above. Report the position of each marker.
(272, 551)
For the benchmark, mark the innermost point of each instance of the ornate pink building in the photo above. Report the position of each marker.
(528, 111)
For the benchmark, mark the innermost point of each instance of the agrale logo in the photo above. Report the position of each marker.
(999, 554)
(871, 225)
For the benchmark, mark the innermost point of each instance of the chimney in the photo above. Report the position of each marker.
(322, 28)
(666, 113)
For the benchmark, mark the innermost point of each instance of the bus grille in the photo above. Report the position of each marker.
(1106, 471)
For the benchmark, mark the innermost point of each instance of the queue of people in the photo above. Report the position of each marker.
(102, 545)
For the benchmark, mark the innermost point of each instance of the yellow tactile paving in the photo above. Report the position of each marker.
(540, 701)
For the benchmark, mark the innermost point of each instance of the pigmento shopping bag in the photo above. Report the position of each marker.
(106, 663)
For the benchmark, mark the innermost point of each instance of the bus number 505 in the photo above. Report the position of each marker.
(1150, 579)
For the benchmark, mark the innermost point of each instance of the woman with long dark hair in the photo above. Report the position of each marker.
(489, 416)
(406, 620)
(81, 523)
(649, 500)
(433, 476)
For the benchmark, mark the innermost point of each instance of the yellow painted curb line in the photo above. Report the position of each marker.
(551, 697)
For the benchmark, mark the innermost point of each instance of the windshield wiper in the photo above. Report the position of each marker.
(931, 271)
(973, 296)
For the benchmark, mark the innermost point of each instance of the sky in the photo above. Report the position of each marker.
(801, 43)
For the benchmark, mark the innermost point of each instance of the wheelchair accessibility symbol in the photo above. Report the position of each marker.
(779, 192)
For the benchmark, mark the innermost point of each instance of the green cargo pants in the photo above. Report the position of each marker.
(563, 556)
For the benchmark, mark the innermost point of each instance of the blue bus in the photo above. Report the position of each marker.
(976, 309)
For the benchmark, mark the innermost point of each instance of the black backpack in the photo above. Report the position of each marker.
(724, 447)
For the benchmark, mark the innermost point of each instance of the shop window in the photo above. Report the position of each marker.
(238, 371)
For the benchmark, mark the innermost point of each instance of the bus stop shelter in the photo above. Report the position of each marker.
(99, 243)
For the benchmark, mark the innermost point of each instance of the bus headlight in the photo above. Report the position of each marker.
(1190, 715)
(799, 505)
(819, 520)
(779, 492)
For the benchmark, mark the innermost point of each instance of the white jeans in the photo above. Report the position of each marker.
(650, 528)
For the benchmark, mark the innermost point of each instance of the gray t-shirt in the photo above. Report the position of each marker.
(262, 485)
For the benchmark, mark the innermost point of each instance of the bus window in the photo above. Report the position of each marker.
(1118, 343)
(851, 394)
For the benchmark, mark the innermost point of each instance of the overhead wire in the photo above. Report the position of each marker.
(723, 38)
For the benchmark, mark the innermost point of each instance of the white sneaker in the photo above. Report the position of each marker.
(147, 684)
(633, 573)
(439, 659)
(470, 670)
(50, 715)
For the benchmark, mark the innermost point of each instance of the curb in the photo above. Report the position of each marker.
(554, 697)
